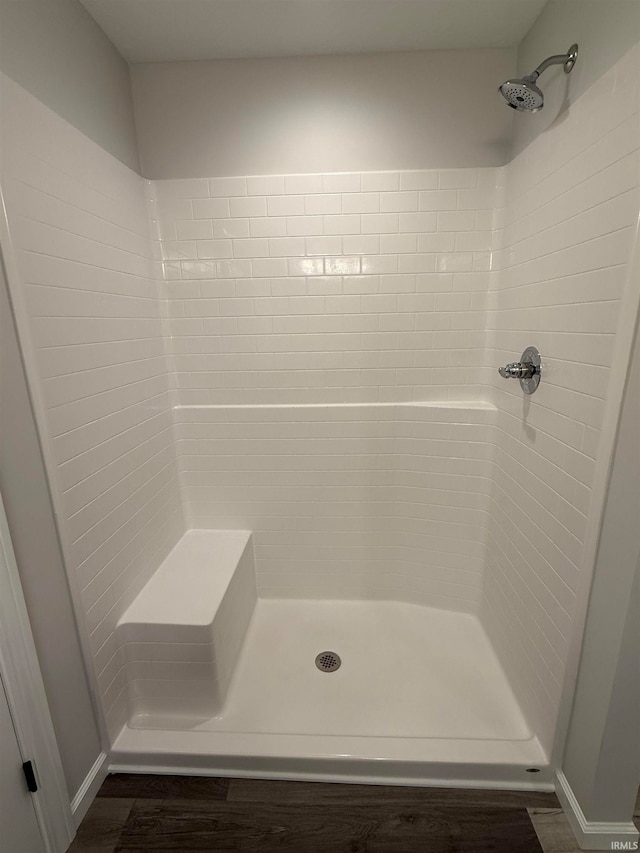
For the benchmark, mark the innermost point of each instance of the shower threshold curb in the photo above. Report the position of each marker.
(327, 758)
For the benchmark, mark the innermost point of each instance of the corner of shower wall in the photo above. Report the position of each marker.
(561, 283)
(490, 356)
(83, 276)
(166, 274)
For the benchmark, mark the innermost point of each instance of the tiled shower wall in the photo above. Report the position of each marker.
(347, 501)
(302, 309)
(562, 264)
(328, 288)
(289, 331)
(332, 383)
(86, 294)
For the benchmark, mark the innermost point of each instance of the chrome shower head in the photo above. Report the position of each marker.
(524, 94)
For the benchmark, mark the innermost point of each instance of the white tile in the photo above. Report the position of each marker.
(367, 244)
(341, 183)
(457, 179)
(442, 241)
(347, 224)
(417, 222)
(473, 241)
(398, 244)
(475, 199)
(231, 228)
(454, 262)
(459, 220)
(215, 249)
(269, 267)
(380, 223)
(265, 185)
(248, 207)
(267, 226)
(398, 202)
(210, 208)
(305, 266)
(341, 266)
(325, 245)
(198, 269)
(255, 248)
(427, 180)
(361, 203)
(178, 250)
(284, 247)
(416, 263)
(379, 264)
(379, 304)
(304, 226)
(227, 187)
(191, 229)
(302, 184)
(233, 269)
(189, 188)
(285, 205)
(380, 182)
(437, 200)
(325, 203)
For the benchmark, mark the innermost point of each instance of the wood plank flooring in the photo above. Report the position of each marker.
(142, 813)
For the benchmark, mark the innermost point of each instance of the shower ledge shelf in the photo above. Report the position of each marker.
(475, 405)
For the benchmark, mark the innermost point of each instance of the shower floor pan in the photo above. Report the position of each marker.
(419, 698)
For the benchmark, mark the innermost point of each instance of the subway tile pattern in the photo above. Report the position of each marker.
(312, 357)
(286, 292)
(82, 245)
(347, 501)
(327, 288)
(568, 220)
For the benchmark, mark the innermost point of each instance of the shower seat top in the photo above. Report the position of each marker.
(190, 583)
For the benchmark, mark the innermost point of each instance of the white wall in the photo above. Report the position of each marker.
(602, 758)
(85, 289)
(604, 29)
(560, 283)
(56, 51)
(419, 110)
(33, 534)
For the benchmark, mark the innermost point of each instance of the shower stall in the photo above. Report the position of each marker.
(310, 530)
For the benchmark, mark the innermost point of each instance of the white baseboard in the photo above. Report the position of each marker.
(89, 788)
(594, 835)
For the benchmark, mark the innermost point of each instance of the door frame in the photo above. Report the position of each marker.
(28, 705)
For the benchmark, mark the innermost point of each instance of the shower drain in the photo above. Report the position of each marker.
(328, 661)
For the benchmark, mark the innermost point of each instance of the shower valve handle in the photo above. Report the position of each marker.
(528, 370)
(517, 370)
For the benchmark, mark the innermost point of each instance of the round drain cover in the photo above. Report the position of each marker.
(328, 661)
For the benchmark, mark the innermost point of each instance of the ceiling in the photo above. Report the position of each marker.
(169, 30)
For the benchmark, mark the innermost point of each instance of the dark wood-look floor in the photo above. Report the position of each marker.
(138, 814)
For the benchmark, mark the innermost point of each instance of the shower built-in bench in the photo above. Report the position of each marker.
(183, 633)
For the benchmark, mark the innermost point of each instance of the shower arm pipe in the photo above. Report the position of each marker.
(567, 59)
